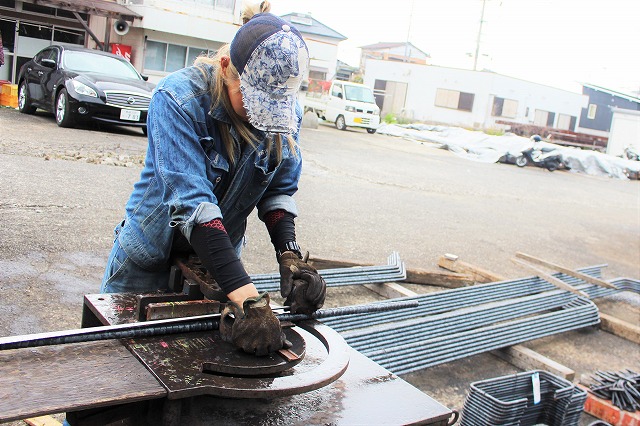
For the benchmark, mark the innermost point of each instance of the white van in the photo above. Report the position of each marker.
(346, 104)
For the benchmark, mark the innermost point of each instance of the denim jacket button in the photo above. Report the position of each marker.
(264, 182)
(218, 179)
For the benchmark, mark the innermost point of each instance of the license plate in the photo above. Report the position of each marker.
(129, 115)
(357, 120)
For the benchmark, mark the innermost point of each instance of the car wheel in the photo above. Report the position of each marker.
(24, 104)
(63, 110)
(144, 130)
(521, 161)
(340, 124)
(371, 131)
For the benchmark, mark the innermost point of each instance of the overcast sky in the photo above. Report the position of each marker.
(560, 43)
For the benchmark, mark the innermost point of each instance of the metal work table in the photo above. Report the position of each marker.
(92, 378)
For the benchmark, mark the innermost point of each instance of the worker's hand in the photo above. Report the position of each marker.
(301, 284)
(253, 328)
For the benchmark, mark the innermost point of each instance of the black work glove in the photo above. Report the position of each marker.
(301, 284)
(255, 329)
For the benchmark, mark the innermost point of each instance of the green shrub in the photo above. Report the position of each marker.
(390, 119)
(494, 131)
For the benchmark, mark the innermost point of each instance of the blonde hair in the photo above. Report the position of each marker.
(248, 10)
(219, 95)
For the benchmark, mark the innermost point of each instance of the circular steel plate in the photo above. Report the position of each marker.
(237, 363)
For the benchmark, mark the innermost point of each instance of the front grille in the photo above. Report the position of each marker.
(129, 100)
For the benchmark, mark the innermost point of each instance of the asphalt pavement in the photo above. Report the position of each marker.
(361, 197)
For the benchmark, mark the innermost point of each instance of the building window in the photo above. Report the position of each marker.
(504, 107)
(454, 99)
(171, 57)
(591, 114)
(226, 5)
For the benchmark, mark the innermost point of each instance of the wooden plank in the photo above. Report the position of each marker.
(480, 275)
(449, 280)
(620, 328)
(60, 378)
(551, 279)
(390, 290)
(527, 359)
(42, 421)
(565, 270)
(414, 276)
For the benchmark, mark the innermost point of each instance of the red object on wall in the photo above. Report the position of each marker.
(121, 50)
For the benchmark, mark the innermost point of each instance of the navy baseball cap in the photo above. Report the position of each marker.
(272, 59)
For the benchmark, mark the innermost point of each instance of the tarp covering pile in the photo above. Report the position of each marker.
(479, 146)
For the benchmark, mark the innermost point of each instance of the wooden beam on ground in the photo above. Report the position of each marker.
(620, 328)
(528, 359)
(452, 263)
(390, 290)
(551, 279)
(42, 421)
(449, 280)
(564, 270)
(414, 276)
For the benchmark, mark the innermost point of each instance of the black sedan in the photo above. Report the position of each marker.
(78, 84)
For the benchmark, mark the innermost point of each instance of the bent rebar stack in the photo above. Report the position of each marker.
(509, 400)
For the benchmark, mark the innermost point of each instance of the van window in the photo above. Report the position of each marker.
(337, 90)
(359, 94)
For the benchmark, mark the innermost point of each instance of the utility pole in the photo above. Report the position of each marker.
(406, 46)
(475, 58)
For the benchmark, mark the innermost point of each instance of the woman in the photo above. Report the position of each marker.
(223, 140)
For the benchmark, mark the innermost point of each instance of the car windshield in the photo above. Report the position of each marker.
(359, 93)
(83, 62)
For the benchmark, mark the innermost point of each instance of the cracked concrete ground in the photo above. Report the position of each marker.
(361, 197)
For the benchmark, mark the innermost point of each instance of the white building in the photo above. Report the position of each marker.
(474, 99)
(625, 131)
(172, 33)
(322, 42)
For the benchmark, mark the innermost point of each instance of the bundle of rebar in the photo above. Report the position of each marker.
(529, 398)
(394, 271)
(621, 388)
(457, 323)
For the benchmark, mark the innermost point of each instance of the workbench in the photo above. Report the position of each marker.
(98, 382)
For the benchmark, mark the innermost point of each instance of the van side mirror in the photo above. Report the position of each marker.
(340, 95)
(144, 77)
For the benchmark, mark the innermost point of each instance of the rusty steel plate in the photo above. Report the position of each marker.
(228, 360)
(177, 361)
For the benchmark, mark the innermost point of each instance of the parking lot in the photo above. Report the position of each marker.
(361, 197)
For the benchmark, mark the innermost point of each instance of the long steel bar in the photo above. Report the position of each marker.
(174, 325)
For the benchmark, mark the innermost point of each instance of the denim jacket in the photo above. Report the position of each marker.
(188, 178)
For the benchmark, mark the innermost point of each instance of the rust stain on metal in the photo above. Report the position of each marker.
(288, 355)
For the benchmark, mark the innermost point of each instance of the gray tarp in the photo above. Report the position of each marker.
(479, 146)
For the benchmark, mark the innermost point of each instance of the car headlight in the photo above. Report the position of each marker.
(376, 112)
(350, 108)
(83, 89)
